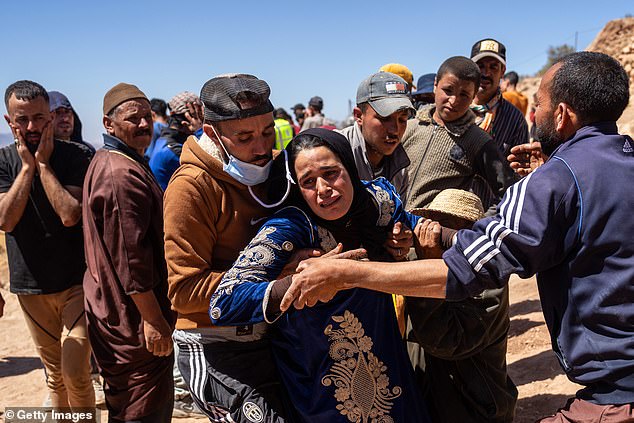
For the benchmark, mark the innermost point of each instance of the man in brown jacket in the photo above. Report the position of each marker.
(213, 207)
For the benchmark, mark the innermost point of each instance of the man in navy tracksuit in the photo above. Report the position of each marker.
(570, 221)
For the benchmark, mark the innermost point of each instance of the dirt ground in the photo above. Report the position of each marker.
(533, 367)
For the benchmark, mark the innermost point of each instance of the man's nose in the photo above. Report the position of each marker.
(262, 145)
(391, 126)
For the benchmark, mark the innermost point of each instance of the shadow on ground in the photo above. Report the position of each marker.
(12, 366)
(528, 410)
(525, 307)
(519, 326)
(542, 366)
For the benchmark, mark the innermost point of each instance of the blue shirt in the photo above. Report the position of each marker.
(157, 128)
(166, 155)
(163, 163)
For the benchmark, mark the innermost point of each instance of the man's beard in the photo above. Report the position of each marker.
(32, 146)
(548, 137)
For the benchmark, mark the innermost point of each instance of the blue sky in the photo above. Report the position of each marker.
(82, 48)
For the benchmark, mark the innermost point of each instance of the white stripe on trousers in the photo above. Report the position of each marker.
(197, 381)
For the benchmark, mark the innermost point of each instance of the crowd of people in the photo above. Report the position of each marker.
(257, 267)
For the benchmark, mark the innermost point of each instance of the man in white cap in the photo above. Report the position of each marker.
(495, 115)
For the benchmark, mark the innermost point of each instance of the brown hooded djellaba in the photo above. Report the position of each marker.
(123, 230)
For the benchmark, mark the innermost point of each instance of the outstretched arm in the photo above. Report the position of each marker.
(321, 279)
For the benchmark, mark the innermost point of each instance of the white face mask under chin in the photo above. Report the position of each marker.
(289, 181)
(243, 172)
(250, 174)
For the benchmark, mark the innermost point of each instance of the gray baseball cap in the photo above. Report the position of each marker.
(386, 93)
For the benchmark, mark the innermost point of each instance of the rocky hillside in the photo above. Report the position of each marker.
(617, 40)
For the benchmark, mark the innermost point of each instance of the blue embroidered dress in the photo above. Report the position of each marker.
(341, 361)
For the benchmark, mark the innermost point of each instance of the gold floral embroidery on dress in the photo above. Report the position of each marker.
(362, 385)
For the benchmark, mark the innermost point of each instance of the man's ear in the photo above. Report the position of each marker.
(567, 120)
(209, 132)
(8, 119)
(11, 125)
(358, 115)
(108, 124)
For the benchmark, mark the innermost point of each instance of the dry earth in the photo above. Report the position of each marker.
(532, 365)
(21, 371)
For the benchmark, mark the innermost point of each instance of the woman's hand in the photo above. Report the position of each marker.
(399, 242)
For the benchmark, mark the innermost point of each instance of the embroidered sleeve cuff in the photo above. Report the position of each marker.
(273, 298)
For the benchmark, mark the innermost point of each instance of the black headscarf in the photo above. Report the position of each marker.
(358, 226)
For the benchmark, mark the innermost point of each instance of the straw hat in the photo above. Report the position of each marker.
(455, 202)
